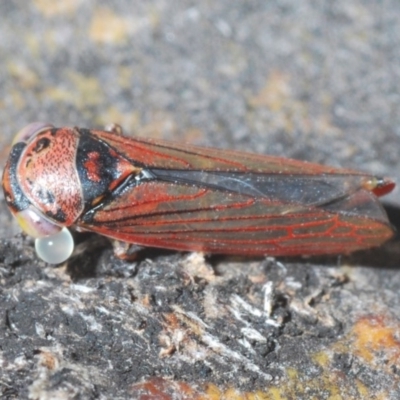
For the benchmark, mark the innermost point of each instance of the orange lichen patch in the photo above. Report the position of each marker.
(213, 392)
(321, 358)
(163, 389)
(371, 338)
(232, 394)
(363, 390)
(312, 389)
(337, 383)
(376, 334)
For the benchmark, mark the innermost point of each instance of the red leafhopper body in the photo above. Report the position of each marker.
(182, 197)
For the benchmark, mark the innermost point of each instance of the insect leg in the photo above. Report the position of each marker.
(125, 251)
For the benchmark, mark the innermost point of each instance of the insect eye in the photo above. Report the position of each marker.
(54, 244)
(31, 130)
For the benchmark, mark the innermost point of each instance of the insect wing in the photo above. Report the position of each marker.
(175, 158)
(295, 190)
(153, 154)
(194, 218)
(218, 201)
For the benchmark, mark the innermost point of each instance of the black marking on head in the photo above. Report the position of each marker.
(41, 144)
(106, 167)
(50, 199)
(58, 216)
(46, 197)
(16, 200)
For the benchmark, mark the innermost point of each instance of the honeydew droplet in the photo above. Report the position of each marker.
(56, 248)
